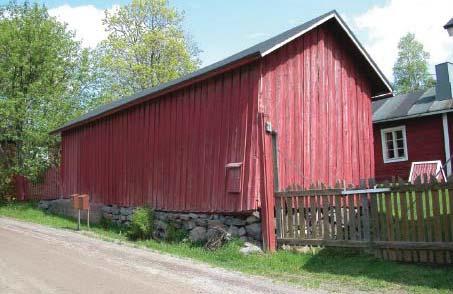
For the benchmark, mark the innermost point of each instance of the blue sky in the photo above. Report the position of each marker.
(221, 28)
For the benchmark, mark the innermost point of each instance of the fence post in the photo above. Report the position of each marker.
(267, 188)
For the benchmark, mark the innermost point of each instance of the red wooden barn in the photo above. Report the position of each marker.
(415, 127)
(205, 142)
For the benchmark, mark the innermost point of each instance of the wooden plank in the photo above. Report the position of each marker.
(365, 217)
(308, 192)
(357, 200)
(352, 222)
(396, 218)
(325, 217)
(278, 213)
(438, 256)
(318, 217)
(332, 211)
(428, 220)
(413, 245)
(446, 225)
(407, 256)
(327, 243)
(412, 225)
(301, 201)
(389, 223)
(284, 226)
(339, 218)
(382, 219)
(374, 217)
(420, 223)
(450, 198)
(291, 226)
(310, 217)
(445, 218)
(313, 217)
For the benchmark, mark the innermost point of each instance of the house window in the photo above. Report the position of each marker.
(394, 144)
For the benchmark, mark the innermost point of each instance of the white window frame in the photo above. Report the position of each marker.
(384, 144)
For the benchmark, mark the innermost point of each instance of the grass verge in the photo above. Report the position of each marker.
(332, 270)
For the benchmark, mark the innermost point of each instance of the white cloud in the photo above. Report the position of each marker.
(85, 20)
(383, 26)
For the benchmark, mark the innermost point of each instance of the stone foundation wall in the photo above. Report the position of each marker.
(64, 207)
(197, 225)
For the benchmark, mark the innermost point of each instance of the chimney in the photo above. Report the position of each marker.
(444, 82)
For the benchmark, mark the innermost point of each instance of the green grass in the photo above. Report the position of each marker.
(332, 270)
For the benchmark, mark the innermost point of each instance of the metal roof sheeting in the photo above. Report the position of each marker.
(410, 105)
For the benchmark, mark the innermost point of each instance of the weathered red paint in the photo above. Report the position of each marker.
(425, 142)
(48, 187)
(319, 103)
(171, 151)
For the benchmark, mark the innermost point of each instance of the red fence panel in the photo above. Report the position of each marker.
(48, 188)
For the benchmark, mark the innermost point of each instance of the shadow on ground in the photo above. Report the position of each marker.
(351, 263)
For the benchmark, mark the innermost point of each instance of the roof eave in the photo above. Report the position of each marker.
(413, 116)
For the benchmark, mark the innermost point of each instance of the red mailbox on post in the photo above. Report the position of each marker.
(84, 202)
(81, 202)
(75, 201)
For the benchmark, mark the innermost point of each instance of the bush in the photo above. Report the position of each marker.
(142, 224)
(105, 223)
(175, 235)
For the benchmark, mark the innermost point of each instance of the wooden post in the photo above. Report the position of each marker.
(267, 187)
(78, 220)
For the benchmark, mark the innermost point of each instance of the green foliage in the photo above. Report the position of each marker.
(105, 223)
(146, 46)
(411, 68)
(142, 224)
(174, 235)
(42, 78)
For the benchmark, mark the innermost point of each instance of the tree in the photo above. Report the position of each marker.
(146, 46)
(42, 78)
(411, 67)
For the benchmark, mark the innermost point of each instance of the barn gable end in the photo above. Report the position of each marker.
(318, 101)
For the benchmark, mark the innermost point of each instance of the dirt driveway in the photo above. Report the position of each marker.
(37, 259)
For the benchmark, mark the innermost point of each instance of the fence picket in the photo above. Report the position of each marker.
(351, 218)
(325, 217)
(404, 223)
(400, 221)
(420, 223)
(278, 214)
(339, 213)
(302, 216)
(438, 255)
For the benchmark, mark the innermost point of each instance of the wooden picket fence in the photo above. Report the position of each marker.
(398, 221)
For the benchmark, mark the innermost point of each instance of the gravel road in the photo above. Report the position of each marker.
(38, 259)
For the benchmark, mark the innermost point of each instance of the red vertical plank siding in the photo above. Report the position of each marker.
(425, 142)
(171, 152)
(319, 103)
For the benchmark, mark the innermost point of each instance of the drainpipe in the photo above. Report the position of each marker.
(446, 142)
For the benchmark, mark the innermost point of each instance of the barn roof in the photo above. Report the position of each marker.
(260, 50)
(420, 103)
